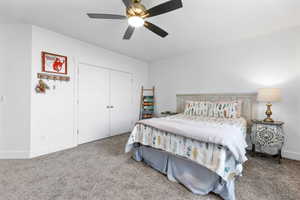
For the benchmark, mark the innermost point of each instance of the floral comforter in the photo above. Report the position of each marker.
(215, 156)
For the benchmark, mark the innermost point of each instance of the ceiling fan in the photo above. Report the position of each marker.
(136, 13)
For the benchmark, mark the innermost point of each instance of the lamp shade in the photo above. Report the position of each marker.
(269, 95)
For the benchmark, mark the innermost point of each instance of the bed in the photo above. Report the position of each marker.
(203, 147)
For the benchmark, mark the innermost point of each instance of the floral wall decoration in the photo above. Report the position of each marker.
(54, 63)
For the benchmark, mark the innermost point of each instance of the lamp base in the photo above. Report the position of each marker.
(269, 113)
(268, 119)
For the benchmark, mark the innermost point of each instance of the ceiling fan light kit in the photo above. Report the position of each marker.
(136, 21)
(136, 13)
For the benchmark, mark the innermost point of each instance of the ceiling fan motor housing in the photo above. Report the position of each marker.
(137, 9)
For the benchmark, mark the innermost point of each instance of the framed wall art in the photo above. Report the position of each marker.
(54, 63)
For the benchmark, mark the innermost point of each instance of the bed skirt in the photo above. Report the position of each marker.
(193, 176)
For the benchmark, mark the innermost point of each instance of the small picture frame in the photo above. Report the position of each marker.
(54, 63)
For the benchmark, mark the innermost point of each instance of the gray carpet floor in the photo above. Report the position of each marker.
(101, 171)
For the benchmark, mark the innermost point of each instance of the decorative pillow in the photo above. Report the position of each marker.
(190, 108)
(204, 107)
(230, 109)
(200, 108)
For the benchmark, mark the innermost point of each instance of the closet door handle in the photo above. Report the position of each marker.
(111, 106)
(108, 107)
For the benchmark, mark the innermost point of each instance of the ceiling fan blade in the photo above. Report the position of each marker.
(105, 16)
(165, 7)
(128, 33)
(127, 3)
(155, 29)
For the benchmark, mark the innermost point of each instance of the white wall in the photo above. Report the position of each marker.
(34, 124)
(15, 71)
(7, 20)
(245, 66)
(54, 114)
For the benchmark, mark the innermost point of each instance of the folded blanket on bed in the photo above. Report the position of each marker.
(229, 133)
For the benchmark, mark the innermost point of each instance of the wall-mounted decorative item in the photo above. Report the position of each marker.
(41, 87)
(53, 77)
(53, 63)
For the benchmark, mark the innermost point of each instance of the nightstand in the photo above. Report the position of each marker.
(267, 137)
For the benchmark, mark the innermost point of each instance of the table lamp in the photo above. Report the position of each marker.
(269, 95)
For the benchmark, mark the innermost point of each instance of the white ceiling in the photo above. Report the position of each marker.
(200, 24)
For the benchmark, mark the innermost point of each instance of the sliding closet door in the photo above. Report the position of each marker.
(121, 101)
(93, 113)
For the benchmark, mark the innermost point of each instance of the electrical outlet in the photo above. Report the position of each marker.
(2, 98)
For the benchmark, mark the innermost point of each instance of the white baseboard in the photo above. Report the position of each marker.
(14, 154)
(291, 155)
(39, 152)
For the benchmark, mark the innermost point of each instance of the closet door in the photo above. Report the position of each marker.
(121, 102)
(93, 113)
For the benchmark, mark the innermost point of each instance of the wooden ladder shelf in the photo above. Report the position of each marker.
(147, 103)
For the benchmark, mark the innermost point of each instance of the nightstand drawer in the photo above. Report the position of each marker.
(268, 135)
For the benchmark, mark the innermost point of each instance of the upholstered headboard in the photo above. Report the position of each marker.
(249, 111)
